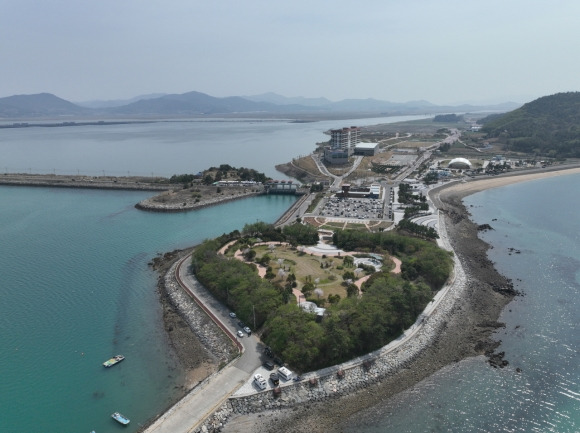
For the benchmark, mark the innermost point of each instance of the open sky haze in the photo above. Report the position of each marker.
(443, 51)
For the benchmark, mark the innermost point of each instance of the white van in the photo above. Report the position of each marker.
(285, 373)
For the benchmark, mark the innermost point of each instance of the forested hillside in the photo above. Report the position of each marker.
(548, 126)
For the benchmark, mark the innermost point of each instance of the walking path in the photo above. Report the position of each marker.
(188, 414)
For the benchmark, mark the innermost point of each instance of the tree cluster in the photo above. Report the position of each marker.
(548, 126)
(183, 178)
(351, 326)
(408, 249)
(294, 234)
(448, 118)
(422, 231)
(406, 195)
(224, 171)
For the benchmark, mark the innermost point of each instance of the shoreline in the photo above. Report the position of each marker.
(484, 297)
(466, 333)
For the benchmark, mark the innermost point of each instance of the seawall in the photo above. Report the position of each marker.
(346, 378)
(88, 182)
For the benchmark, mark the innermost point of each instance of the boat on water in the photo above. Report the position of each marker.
(120, 418)
(114, 360)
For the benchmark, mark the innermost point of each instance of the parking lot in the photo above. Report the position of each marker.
(357, 208)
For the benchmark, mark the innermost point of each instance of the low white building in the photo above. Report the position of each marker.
(460, 163)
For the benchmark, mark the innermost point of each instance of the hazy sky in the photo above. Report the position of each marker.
(443, 51)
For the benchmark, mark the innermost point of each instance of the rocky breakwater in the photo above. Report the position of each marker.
(352, 376)
(197, 197)
(88, 182)
(199, 345)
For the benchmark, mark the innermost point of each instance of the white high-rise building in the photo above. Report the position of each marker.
(342, 144)
(345, 138)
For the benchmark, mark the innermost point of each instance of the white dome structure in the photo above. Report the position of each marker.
(460, 163)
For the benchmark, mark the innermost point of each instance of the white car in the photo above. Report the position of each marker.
(233, 315)
(240, 334)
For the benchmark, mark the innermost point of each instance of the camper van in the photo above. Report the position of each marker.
(285, 373)
(260, 381)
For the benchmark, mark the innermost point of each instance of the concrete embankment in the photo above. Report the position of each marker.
(286, 217)
(88, 182)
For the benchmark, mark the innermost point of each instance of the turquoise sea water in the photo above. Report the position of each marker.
(541, 337)
(75, 289)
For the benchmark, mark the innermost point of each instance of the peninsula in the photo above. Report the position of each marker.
(459, 326)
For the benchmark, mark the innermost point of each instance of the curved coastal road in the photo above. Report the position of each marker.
(187, 414)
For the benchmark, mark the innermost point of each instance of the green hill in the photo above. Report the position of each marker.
(548, 126)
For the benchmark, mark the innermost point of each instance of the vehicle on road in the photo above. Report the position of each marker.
(240, 334)
(233, 315)
(247, 330)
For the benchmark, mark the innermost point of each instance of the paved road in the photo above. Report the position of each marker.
(337, 179)
(201, 402)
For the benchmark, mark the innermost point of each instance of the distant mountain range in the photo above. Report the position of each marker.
(201, 104)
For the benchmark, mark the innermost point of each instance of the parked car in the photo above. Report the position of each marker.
(268, 365)
(260, 381)
(233, 315)
(285, 373)
(247, 330)
(240, 334)
(275, 379)
(241, 324)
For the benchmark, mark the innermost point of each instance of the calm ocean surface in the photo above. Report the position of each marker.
(542, 335)
(165, 148)
(75, 289)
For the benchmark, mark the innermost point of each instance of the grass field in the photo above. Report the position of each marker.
(307, 267)
(416, 143)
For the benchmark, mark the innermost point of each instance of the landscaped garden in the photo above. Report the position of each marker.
(355, 321)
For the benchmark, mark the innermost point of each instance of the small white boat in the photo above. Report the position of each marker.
(120, 418)
(114, 360)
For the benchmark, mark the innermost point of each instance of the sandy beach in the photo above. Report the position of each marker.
(466, 334)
